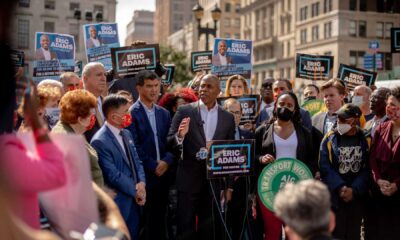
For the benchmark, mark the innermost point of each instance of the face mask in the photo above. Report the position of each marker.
(72, 88)
(52, 115)
(393, 112)
(358, 100)
(92, 122)
(126, 120)
(284, 114)
(310, 98)
(343, 128)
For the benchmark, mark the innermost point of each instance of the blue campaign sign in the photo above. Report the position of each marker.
(99, 39)
(353, 76)
(395, 40)
(373, 45)
(314, 67)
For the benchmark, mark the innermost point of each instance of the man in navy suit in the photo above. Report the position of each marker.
(150, 127)
(122, 169)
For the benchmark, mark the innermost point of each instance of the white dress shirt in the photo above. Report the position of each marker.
(222, 59)
(209, 118)
(151, 116)
(116, 132)
(46, 54)
(95, 42)
(265, 105)
(100, 107)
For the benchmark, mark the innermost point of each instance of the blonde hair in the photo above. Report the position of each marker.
(229, 83)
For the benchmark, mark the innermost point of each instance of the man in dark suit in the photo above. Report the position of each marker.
(192, 127)
(221, 59)
(44, 53)
(118, 159)
(150, 127)
(94, 81)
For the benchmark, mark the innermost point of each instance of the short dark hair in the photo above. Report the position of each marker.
(395, 92)
(113, 101)
(143, 75)
(314, 86)
(288, 83)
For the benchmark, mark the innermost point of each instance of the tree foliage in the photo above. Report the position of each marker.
(182, 72)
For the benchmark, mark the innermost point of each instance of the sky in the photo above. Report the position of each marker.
(124, 14)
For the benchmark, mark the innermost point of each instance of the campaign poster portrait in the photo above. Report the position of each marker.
(230, 158)
(128, 61)
(201, 61)
(168, 77)
(354, 77)
(250, 106)
(314, 67)
(230, 57)
(99, 39)
(395, 40)
(54, 54)
(18, 58)
(78, 68)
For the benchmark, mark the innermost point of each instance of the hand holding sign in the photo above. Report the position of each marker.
(183, 127)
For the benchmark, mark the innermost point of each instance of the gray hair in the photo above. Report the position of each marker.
(51, 82)
(365, 88)
(304, 207)
(88, 68)
(67, 75)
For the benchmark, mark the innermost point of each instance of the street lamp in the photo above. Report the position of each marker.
(198, 12)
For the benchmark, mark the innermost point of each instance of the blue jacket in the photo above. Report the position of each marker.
(267, 114)
(116, 168)
(144, 139)
(329, 167)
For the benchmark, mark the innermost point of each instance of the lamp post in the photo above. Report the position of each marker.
(198, 12)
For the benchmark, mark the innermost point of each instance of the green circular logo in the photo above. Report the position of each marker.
(276, 175)
(313, 106)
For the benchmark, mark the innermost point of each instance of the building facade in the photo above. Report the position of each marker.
(55, 16)
(185, 40)
(141, 27)
(171, 16)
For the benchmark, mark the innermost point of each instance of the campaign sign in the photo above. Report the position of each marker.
(230, 158)
(276, 175)
(18, 58)
(395, 40)
(78, 68)
(354, 77)
(169, 75)
(232, 56)
(201, 60)
(314, 106)
(99, 39)
(54, 54)
(314, 67)
(250, 105)
(128, 61)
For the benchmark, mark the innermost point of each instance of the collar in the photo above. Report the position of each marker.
(219, 54)
(113, 129)
(145, 107)
(44, 50)
(204, 107)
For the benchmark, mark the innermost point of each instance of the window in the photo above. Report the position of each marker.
(362, 28)
(50, 4)
(227, 7)
(328, 30)
(73, 6)
(363, 5)
(353, 5)
(236, 36)
(328, 53)
(227, 35)
(227, 22)
(315, 9)
(315, 33)
(49, 26)
(23, 33)
(379, 29)
(303, 36)
(98, 8)
(388, 26)
(303, 13)
(288, 72)
(288, 49)
(178, 17)
(356, 58)
(289, 5)
(353, 28)
(24, 3)
(327, 6)
(282, 5)
(237, 8)
(236, 22)
(387, 61)
(282, 73)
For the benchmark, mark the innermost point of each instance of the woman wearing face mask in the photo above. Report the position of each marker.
(77, 115)
(343, 162)
(385, 165)
(282, 137)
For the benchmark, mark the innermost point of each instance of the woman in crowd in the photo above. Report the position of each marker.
(385, 165)
(49, 98)
(27, 174)
(236, 86)
(282, 137)
(77, 115)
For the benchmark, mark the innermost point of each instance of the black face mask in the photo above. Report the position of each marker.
(310, 98)
(284, 114)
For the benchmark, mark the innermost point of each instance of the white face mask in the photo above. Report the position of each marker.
(343, 128)
(358, 100)
(52, 115)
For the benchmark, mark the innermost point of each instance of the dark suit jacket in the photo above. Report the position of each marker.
(191, 173)
(267, 114)
(216, 61)
(40, 56)
(117, 172)
(144, 139)
(127, 84)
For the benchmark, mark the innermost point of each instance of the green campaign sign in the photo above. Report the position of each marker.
(276, 175)
(313, 106)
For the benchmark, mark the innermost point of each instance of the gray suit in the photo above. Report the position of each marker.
(90, 44)
(194, 193)
(39, 55)
(216, 61)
